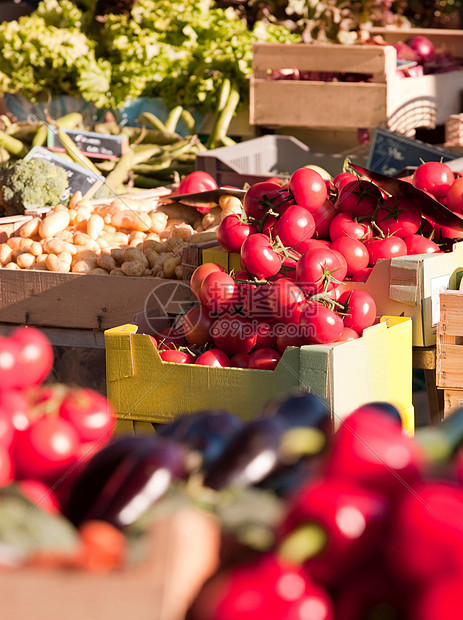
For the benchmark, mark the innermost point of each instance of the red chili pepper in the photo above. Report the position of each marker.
(371, 449)
(426, 540)
(334, 526)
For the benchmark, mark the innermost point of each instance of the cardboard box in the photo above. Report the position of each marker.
(387, 101)
(377, 366)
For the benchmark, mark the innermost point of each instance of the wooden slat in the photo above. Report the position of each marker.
(451, 313)
(450, 366)
(320, 104)
(453, 400)
(84, 301)
(368, 59)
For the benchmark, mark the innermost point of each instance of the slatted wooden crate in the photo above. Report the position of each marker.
(449, 350)
(388, 101)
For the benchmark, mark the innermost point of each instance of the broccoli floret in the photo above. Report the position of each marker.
(31, 184)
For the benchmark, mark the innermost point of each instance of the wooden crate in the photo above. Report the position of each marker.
(449, 350)
(454, 131)
(78, 301)
(387, 101)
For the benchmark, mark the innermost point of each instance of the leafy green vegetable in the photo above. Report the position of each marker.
(179, 51)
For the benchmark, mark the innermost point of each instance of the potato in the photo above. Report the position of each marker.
(118, 255)
(135, 254)
(53, 223)
(75, 199)
(98, 271)
(176, 245)
(136, 235)
(52, 262)
(117, 272)
(106, 261)
(12, 266)
(14, 242)
(181, 231)
(168, 267)
(133, 268)
(30, 228)
(65, 257)
(83, 240)
(25, 244)
(212, 218)
(38, 267)
(36, 248)
(115, 239)
(230, 202)
(83, 266)
(65, 235)
(179, 272)
(6, 252)
(152, 257)
(41, 259)
(86, 256)
(25, 260)
(95, 225)
(159, 222)
(131, 220)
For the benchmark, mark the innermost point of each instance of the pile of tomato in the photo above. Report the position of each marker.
(302, 244)
(47, 431)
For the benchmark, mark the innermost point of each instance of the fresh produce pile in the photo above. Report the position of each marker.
(124, 236)
(301, 244)
(418, 50)
(364, 532)
(47, 434)
(190, 53)
(156, 156)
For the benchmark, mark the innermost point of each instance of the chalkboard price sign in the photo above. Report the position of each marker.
(79, 178)
(391, 152)
(90, 143)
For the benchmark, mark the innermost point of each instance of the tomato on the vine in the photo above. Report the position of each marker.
(359, 309)
(354, 251)
(295, 227)
(342, 179)
(262, 197)
(345, 225)
(239, 360)
(308, 188)
(321, 324)
(348, 334)
(176, 356)
(264, 359)
(89, 413)
(259, 258)
(213, 357)
(418, 244)
(398, 216)
(316, 270)
(233, 334)
(360, 197)
(435, 177)
(196, 325)
(219, 292)
(200, 273)
(323, 217)
(286, 301)
(232, 231)
(389, 247)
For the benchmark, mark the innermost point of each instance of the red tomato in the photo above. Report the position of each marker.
(240, 360)
(170, 338)
(213, 357)
(89, 413)
(17, 405)
(362, 275)
(398, 216)
(234, 334)
(198, 275)
(348, 334)
(321, 324)
(446, 232)
(264, 359)
(9, 351)
(308, 188)
(345, 225)
(197, 181)
(359, 309)
(295, 227)
(177, 357)
(417, 244)
(286, 301)
(41, 494)
(389, 247)
(259, 258)
(343, 178)
(291, 335)
(7, 430)
(266, 335)
(6, 467)
(354, 251)
(261, 197)
(35, 356)
(219, 292)
(254, 301)
(323, 218)
(315, 270)
(232, 231)
(46, 449)
(196, 324)
(434, 177)
(359, 197)
(455, 196)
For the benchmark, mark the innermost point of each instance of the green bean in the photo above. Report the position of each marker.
(12, 145)
(151, 119)
(173, 118)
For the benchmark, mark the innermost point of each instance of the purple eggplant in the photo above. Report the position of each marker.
(124, 479)
(252, 454)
